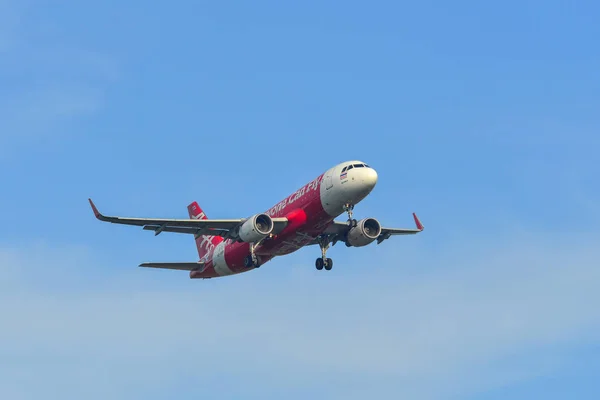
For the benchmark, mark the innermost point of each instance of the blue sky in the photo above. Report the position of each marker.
(481, 118)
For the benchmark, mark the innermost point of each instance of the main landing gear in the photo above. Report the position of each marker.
(325, 240)
(323, 261)
(252, 260)
(327, 263)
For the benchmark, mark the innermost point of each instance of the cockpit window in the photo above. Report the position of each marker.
(358, 165)
(344, 170)
(366, 166)
(350, 167)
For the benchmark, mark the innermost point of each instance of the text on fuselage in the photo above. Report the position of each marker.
(300, 193)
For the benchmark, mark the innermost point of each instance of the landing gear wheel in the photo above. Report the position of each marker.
(319, 264)
(324, 242)
(251, 262)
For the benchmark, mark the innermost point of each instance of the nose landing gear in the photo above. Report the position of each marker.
(349, 209)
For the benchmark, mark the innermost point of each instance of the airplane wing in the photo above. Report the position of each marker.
(181, 266)
(339, 229)
(226, 228)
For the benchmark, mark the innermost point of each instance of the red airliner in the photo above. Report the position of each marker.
(232, 246)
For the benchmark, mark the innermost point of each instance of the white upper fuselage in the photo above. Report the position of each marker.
(346, 183)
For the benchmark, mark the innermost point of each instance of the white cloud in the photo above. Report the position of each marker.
(480, 321)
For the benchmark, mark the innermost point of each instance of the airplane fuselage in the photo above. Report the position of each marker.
(310, 211)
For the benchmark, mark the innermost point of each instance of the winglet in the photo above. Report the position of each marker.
(418, 223)
(96, 212)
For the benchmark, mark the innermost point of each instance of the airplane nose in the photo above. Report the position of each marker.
(370, 178)
(367, 179)
(359, 183)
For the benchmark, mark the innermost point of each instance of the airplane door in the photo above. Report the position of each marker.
(328, 181)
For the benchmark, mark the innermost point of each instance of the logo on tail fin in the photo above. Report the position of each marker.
(195, 211)
(199, 216)
(205, 243)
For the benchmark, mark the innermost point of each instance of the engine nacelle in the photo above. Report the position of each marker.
(364, 233)
(256, 228)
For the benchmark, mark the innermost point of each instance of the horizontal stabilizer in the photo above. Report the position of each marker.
(182, 266)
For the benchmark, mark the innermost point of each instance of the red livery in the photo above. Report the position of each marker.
(306, 217)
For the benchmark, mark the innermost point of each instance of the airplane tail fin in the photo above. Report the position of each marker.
(203, 242)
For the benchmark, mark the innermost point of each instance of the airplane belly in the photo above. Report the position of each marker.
(292, 243)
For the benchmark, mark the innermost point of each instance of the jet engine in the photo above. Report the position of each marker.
(365, 232)
(256, 228)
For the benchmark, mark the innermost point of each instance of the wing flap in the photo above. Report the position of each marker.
(186, 230)
(211, 227)
(387, 232)
(339, 229)
(181, 266)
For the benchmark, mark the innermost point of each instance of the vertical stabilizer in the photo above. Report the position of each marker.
(204, 243)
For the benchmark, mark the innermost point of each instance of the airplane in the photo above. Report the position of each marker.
(306, 217)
